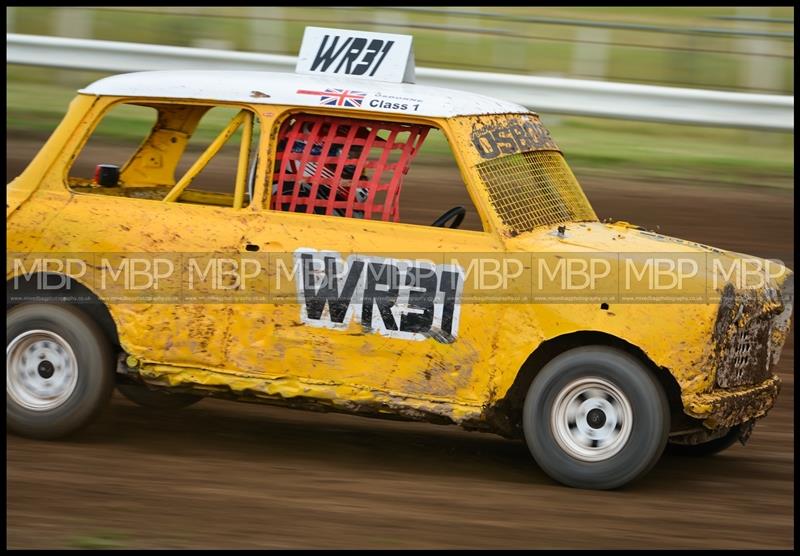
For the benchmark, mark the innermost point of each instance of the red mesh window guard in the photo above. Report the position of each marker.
(361, 161)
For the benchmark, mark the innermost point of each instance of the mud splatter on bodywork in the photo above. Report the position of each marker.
(743, 334)
(305, 393)
(731, 407)
(747, 338)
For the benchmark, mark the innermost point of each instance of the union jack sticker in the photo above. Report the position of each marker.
(337, 97)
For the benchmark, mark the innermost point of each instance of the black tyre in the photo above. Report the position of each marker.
(595, 417)
(59, 370)
(157, 399)
(706, 448)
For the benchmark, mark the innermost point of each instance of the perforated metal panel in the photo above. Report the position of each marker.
(751, 326)
(746, 360)
(533, 189)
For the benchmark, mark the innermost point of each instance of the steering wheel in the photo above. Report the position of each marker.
(456, 214)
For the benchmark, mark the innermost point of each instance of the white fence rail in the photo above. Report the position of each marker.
(546, 95)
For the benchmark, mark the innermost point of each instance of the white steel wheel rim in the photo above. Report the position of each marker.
(591, 419)
(41, 370)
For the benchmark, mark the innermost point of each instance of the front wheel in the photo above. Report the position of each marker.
(595, 417)
(59, 370)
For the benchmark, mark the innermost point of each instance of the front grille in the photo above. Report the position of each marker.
(746, 360)
(746, 323)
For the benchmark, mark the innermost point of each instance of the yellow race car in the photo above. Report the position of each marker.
(297, 281)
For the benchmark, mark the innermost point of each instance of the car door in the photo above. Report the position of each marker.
(392, 320)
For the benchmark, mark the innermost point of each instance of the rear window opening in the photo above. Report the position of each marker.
(144, 150)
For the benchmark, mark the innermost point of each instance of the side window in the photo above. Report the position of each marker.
(170, 152)
(114, 141)
(434, 185)
(359, 168)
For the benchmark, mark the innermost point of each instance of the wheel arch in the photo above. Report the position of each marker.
(38, 287)
(506, 413)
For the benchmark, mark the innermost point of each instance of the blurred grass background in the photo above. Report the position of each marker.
(735, 48)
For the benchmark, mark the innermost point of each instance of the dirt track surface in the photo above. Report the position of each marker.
(221, 474)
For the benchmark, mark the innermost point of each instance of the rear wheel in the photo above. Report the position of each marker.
(59, 370)
(158, 399)
(595, 417)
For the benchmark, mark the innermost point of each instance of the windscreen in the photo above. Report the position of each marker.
(526, 177)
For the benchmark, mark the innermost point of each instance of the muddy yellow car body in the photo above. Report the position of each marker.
(264, 351)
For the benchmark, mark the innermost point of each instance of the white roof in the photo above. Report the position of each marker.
(301, 90)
